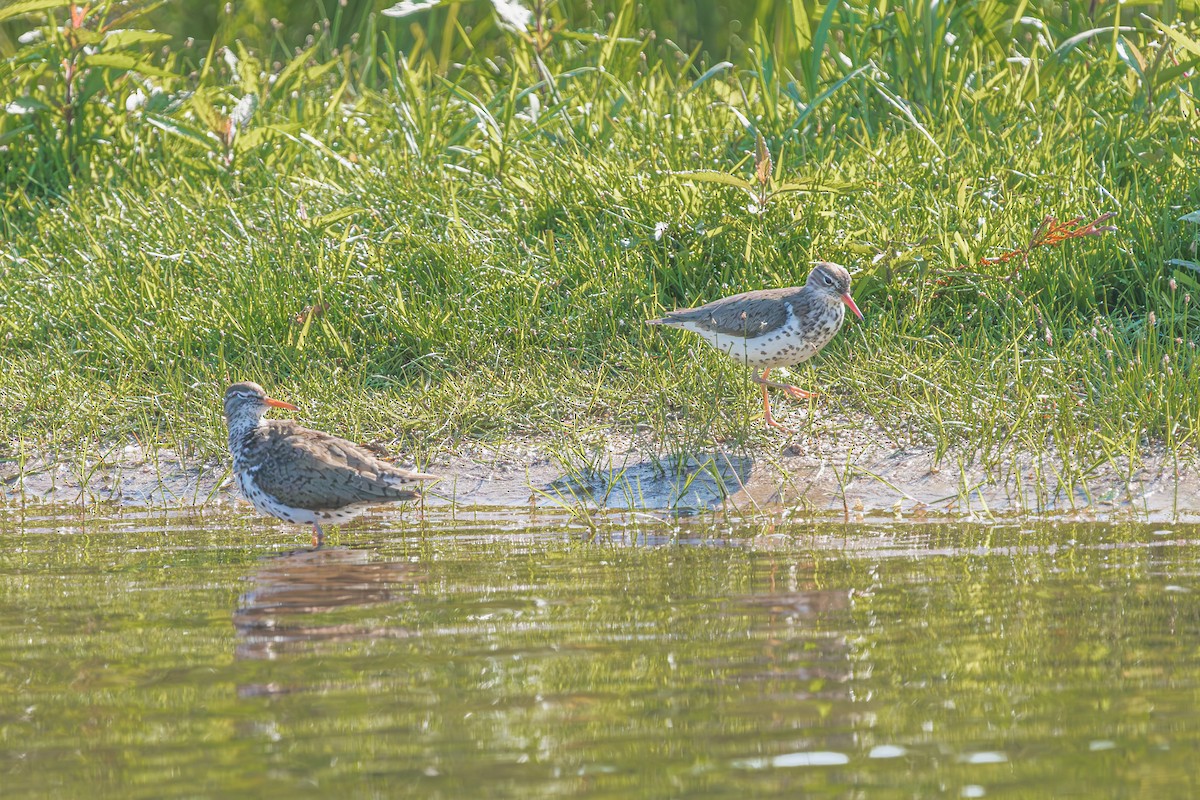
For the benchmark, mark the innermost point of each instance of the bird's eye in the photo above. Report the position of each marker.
(828, 281)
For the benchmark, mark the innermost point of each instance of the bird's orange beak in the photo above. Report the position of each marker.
(271, 401)
(848, 300)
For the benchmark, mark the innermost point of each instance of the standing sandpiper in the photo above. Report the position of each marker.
(772, 328)
(305, 476)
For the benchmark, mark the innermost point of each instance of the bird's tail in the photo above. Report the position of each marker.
(401, 477)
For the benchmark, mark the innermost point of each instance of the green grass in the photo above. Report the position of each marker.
(426, 256)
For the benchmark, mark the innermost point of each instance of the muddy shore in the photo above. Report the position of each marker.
(849, 470)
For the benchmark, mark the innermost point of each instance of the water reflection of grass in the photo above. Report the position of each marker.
(438, 260)
(1051, 659)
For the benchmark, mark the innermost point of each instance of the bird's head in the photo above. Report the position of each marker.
(834, 281)
(248, 401)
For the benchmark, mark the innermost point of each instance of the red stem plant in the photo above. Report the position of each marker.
(1052, 233)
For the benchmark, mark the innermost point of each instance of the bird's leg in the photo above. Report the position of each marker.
(318, 537)
(794, 391)
(767, 408)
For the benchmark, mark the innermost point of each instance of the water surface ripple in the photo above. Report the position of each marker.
(155, 655)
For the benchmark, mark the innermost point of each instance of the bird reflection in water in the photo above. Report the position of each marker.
(285, 609)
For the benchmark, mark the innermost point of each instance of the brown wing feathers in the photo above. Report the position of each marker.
(315, 470)
(750, 314)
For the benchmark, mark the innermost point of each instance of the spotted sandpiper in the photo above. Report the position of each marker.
(305, 476)
(771, 328)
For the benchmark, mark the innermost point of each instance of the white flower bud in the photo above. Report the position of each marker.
(135, 101)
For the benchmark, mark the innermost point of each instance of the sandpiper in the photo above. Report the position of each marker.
(305, 476)
(771, 328)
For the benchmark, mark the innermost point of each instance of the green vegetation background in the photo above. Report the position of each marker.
(453, 224)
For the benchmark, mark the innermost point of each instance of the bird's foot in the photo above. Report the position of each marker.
(771, 423)
(798, 393)
(794, 391)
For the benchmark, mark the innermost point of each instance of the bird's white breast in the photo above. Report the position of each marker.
(784, 346)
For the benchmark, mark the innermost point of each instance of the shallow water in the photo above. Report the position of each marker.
(155, 655)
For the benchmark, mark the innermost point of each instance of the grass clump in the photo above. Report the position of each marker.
(462, 239)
